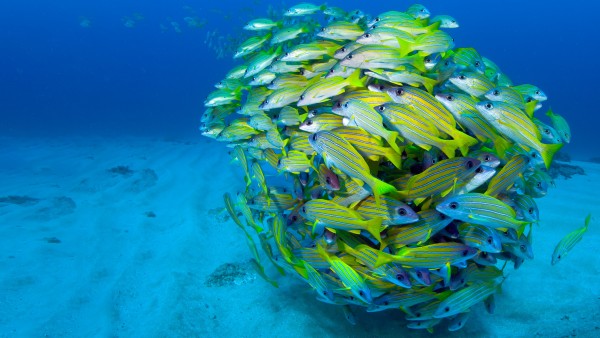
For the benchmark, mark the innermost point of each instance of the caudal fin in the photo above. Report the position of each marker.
(391, 139)
(448, 147)
(379, 188)
(354, 79)
(394, 157)
(548, 151)
(373, 226)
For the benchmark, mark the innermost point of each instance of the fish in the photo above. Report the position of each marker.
(338, 152)
(481, 209)
(369, 146)
(262, 24)
(391, 211)
(327, 88)
(430, 222)
(322, 122)
(473, 83)
(462, 300)
(446, 21)
(480, 237)
(348, 276)
(324, 213)
(532, 91)
(514, 124)
(569, 241)
(561, 125)
(506, 177)
(341, 30)
(362, 115)
(429, 256)
(304, 9)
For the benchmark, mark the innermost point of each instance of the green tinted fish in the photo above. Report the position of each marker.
(371, 98)
(304, 52)
(338, 152)
(482, 174)
(263, 78)
(250, 46)
(335, 12)
(237, 72)
(426, 106)
(322, 90)
(446, 21)
(531, 90)
(386, 36)
(415, 128)
(376, 56)
(403, 298)
(304, 8)
(300, 142)
(279, 234)
(391, 211)
(404, 77)
(348, 275)
(411, 26)
(242, 206)
(506, 94)
(341, 30)
(549, 134)
(362, 115)
(261, 24)
(561, 125)
(261, 122)
(429, 43)
(261, 141)
(473, 83)
(418, 11)
(239, 154)
(255, 97)
(514, 124)
(289, 116)
(237, 132)
(526, 208)
(282, 97)
(321, 122)
(222, 97)
(368, 146)
(468, 58)
(315, 279)
(261, 61)
(289, 33)
(462, 300)
(568, 242)
(481, 209)
(324, 213)
(282, 67)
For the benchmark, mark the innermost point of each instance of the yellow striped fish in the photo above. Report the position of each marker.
(568, 242)
(462, 300)
(506, 177)
(369, 146)
(430, 222)
(338, 152)
(431, 256)
(326, 213)
(391, 211)
(348, 275)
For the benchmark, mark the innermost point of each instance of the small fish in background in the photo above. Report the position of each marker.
(85, 22)
(568, 242)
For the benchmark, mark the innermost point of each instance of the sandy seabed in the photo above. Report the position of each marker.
(128, 238)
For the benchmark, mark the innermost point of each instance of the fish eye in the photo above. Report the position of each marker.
(402, 212)
(450, 98)
(327, 180)
(323, 29)
(489, 106)
(537, 92)
(266, 102)
(531, 210)
(487, 158)
(427, 60)
(377, 19)
(399, 91)
(442, 216)
(386, 303)
(534, 155)
(346, 105)
(339, 104)
(479, 170)
(287, 54)
(361, 293)
(381, 108)
(447, 63)
(453, 21)
(469, 164)
(314, 137)
(331, 71)
(343, 49)
(301, 71)
(490, 240)
(496, 92)
(422, 11)
(381, 87)
(539, 185)
(420, 274)
(529, 99)
(547, 131)
(303, 210)
(367, 35)
(278, 162)
(462, 77)
(465, 252)
(453, 205)
(295, 218)
(302, 97)
(477, 64)
(447, 309)
(522, 248)
(349, 57)
(399, 276)
(309, 122)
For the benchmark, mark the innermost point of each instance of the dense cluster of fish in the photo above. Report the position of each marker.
(383, 166)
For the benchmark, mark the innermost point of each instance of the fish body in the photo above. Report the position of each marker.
(568, 242)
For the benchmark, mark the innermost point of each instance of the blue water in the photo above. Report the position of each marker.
(61, 78)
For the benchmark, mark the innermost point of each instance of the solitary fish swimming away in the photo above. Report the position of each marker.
(568, 242)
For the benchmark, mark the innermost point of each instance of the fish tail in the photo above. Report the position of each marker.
(448, 147)
(380, 187)
(548, 151)
(373, 227)
(464, 141)
(530, 108)
(433, 27)
(428, 84)
(501, 145)
(394, 157)
(383, 258)
(354, 79)
(417, 62)
(405, 47)
(391, 139)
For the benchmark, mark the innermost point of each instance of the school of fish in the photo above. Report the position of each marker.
(383, 166)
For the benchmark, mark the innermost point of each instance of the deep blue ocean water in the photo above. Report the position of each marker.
(59, 77)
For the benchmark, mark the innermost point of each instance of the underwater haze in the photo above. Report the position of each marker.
(112, 213)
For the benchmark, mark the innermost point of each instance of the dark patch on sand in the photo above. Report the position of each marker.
(19, 200)
(121, 170)
(231, 274)
(567, 171)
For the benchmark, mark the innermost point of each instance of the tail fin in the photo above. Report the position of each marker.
(548, 151)
(464, 141)
(501, 145)
(379, 188)
(433, 27)
(449, 148)
(394, 157)
(373, 226)
(428, 84)
(530, 108)
(391, 139)
(405, 47)
(417, 62)
(354, 79)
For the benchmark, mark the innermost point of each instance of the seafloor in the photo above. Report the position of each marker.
(128, 238)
